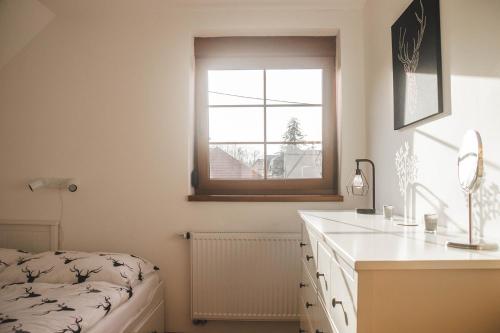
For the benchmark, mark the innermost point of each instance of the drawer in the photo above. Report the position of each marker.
(343, 299)
(320, 322)
(322, 275)
(308, 254)
(305, 283)
(309, 298)
(305, 319)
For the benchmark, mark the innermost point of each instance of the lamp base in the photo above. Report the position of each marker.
(367, 211)
(472, 246)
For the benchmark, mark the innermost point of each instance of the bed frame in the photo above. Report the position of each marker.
(43, 235)
(29, 235)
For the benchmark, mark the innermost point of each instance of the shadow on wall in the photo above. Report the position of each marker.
(391, 189)
(438, 205)
(486, 200)
(485, 206)
(487, 162)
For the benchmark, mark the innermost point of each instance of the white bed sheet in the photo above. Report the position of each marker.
(129, 312)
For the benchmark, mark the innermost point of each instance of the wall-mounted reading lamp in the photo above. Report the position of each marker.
(358, 185)
(71, 184)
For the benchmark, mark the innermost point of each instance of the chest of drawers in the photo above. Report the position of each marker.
(362, 274)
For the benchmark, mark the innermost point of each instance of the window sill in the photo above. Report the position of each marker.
(268, 198)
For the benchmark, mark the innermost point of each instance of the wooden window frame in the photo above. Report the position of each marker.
(327, 185)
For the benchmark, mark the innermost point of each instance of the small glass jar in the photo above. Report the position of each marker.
(431, 222)
(388, 212)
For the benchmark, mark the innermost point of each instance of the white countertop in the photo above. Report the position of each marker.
(369, 242)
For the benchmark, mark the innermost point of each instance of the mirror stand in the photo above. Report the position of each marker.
(470, 172)
(470, 245)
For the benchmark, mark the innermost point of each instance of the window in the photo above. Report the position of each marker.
(265, 111)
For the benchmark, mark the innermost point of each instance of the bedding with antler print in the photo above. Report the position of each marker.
(10, 257)
(65, 291)
(48, 307)
(77, 267)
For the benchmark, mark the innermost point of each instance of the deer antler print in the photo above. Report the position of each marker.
(4, 319)
(137, 257)
(125, 276)
(11, 284)
(27, 294)
(106, 306)
(70, 329)
(22, 260)
(140, 276)
(90, 290)
(44, 301)
(18, 329)
(118, 263)
(81, 276)
(410, 63)
(70, 260)
(60, 308)
(32, 277)
(127, 289)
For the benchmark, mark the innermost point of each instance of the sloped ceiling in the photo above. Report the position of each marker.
(20, 22)
(327, 4)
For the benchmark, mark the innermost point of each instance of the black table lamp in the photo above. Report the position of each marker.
(358, 185)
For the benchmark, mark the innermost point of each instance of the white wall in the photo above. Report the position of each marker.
(104, 93)
(471, 77)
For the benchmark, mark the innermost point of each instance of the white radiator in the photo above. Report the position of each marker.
(245, 276)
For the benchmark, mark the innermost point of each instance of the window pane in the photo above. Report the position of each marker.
(236, 124)
(237, 161)
(294, 161)
(293, 124)
(285, 86)
(235, 87)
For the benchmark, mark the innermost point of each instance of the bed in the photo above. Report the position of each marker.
(71, 291)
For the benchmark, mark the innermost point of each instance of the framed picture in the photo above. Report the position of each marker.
(416, 63)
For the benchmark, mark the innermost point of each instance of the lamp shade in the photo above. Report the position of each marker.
(357, 184)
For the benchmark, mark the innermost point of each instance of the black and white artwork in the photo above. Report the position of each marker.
(416, 62)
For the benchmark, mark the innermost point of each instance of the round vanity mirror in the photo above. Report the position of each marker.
(470, 162)
(470, 172)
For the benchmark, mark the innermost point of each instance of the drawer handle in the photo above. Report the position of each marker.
(318, 331)
(302, 285)
(335, 302)
(302, 244)
(308, 305)
(308, 257)
(318, 275)
(302, 331)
